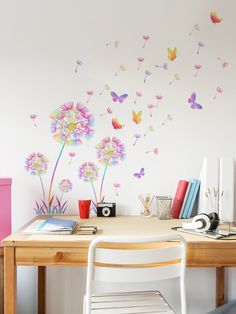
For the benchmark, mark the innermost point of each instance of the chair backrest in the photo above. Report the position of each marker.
(136, 260)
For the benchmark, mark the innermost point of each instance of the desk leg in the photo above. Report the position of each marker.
(220, 286)
(1, 283)
(9, 280)
(41, 289)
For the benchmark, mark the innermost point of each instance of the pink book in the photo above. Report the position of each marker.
(179, 198)
(5, 207)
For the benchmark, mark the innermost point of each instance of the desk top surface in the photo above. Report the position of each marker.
(115, 226)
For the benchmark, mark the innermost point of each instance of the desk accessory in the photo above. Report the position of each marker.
(146, 204)
(106, 209)
(84, 208)
(163, 207)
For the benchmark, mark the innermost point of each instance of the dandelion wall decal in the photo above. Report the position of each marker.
(164, 66)
(154, 151)
(108, 111)
(121, 69)
(113, 44)
(147, 73)
(224, 64)
(71, 155)
(33, 118)
(106, 88)
(116, 187)
(168, 118)
(159, 98)
(150, 107)
(37, 164)
(200, 45)
(197, 67)
(65, 186)
(137, 137)
(90, 94)
(138, 94)
(219, 90)
(140, 62)
(175, 78)
(78, 63)
(146, 38)
(150, 129)
(195, 28)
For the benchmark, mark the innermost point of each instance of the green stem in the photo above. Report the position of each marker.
(94, 192)
(41, 182)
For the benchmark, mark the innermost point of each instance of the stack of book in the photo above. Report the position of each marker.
(87, 230)
(185, 198)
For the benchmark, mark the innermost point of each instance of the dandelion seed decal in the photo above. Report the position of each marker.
(200, 45)
(195, 28)
(154, 151)
(90, 94)
(164, 66)
(121, 69)
(113, 44)
(116, 187)
(224, 64)
(33, 117)
(78, 63)
(65, 186)
(219, 90)
(37, 164)
(137, 137)
(197, 68)
(147, 73)
(108, 111)
(150, 129)
(145, 38)
(137, 95)
(150, 107)
(168, 118)
(175, 78)
(105, 89)
(140, 62)
(71, 155)
(158, 98)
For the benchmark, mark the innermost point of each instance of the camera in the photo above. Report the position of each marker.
(106, 209)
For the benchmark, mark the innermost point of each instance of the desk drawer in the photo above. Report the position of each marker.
(39, 256)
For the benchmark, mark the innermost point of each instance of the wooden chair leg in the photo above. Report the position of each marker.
(220, 286)
(41, 289)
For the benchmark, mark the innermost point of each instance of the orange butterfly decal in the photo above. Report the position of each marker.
(137, 117)
(116, 124)
(172, 54)
(215, 18)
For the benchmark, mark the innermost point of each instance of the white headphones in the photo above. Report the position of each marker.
(203, 222)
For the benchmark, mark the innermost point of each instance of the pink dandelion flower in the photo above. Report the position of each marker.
(70, 123)
(78, 63)
(137, 136)
(71, 155)
(158, 98)
(138, 94)
(150, 107)
(90, 94)
(110, 151)
(36, 164)
(154, 151)
(197, 67)
(88, 172)
(33, 118)
(140, 61)
(106, 88)
(145, 38)
(116, 187)
(65, 185)
(224, 64)
(219, 90)
(147, 73)
(108, 111)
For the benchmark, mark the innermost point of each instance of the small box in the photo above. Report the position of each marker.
(163, 207)
(5, 208)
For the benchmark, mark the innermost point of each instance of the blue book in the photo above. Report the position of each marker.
(189, 198)
(51, 226)
(193, 200)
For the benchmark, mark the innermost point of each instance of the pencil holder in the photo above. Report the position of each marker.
(163, 207)
(146, 203)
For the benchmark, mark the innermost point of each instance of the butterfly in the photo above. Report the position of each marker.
(172, 54)
(137, 117)
(215, 18)
(192, 101)
(120, 98)
(139, 174)
(116, 124)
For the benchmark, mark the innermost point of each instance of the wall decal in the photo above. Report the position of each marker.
(65, 186)
(193, 103)
(90, 94)
(171, 54)
(200, 45)
(137, 136)
(140, 62)
(219, 90)
(116, 186)
(147, 73)
(158, 98)
(164, 66)
(113, 44)
(33, 117)
(120, 98)
(154, 151)
(175, 78)
(150, 108)
(138, 95)
(167, 118)
(146, 38)
(106, 88)
(224, 64)
(121, 69)
(150, 129)
(139, 174)
(78, 63)
(108, 111)
(116, 124)
(71, 155)
(137, 116)
(197, 68)
(215, 19)
(195, 28)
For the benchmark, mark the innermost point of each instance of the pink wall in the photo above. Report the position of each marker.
(5, 207)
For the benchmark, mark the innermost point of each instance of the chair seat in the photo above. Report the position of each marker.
(148, 302)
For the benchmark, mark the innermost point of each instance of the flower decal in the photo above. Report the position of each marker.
(70, 123)
(110, 151)
(88, 172)
(65, 185)
(36, 164)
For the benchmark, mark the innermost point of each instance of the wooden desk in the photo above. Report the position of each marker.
(71, 250)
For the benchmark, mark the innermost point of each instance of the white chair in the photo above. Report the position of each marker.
(134, 260)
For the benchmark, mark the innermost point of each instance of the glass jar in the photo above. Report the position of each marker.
(163, 207)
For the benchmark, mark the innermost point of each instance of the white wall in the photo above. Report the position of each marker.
(40, 43)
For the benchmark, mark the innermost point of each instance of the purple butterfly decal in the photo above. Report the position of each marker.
(120, 98)
(139, 174)
(192, 101)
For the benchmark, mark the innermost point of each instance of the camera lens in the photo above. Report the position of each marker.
(106, 211)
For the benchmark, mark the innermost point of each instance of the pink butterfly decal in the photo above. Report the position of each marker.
(140, 174)
(192, 101)
(120, 98)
